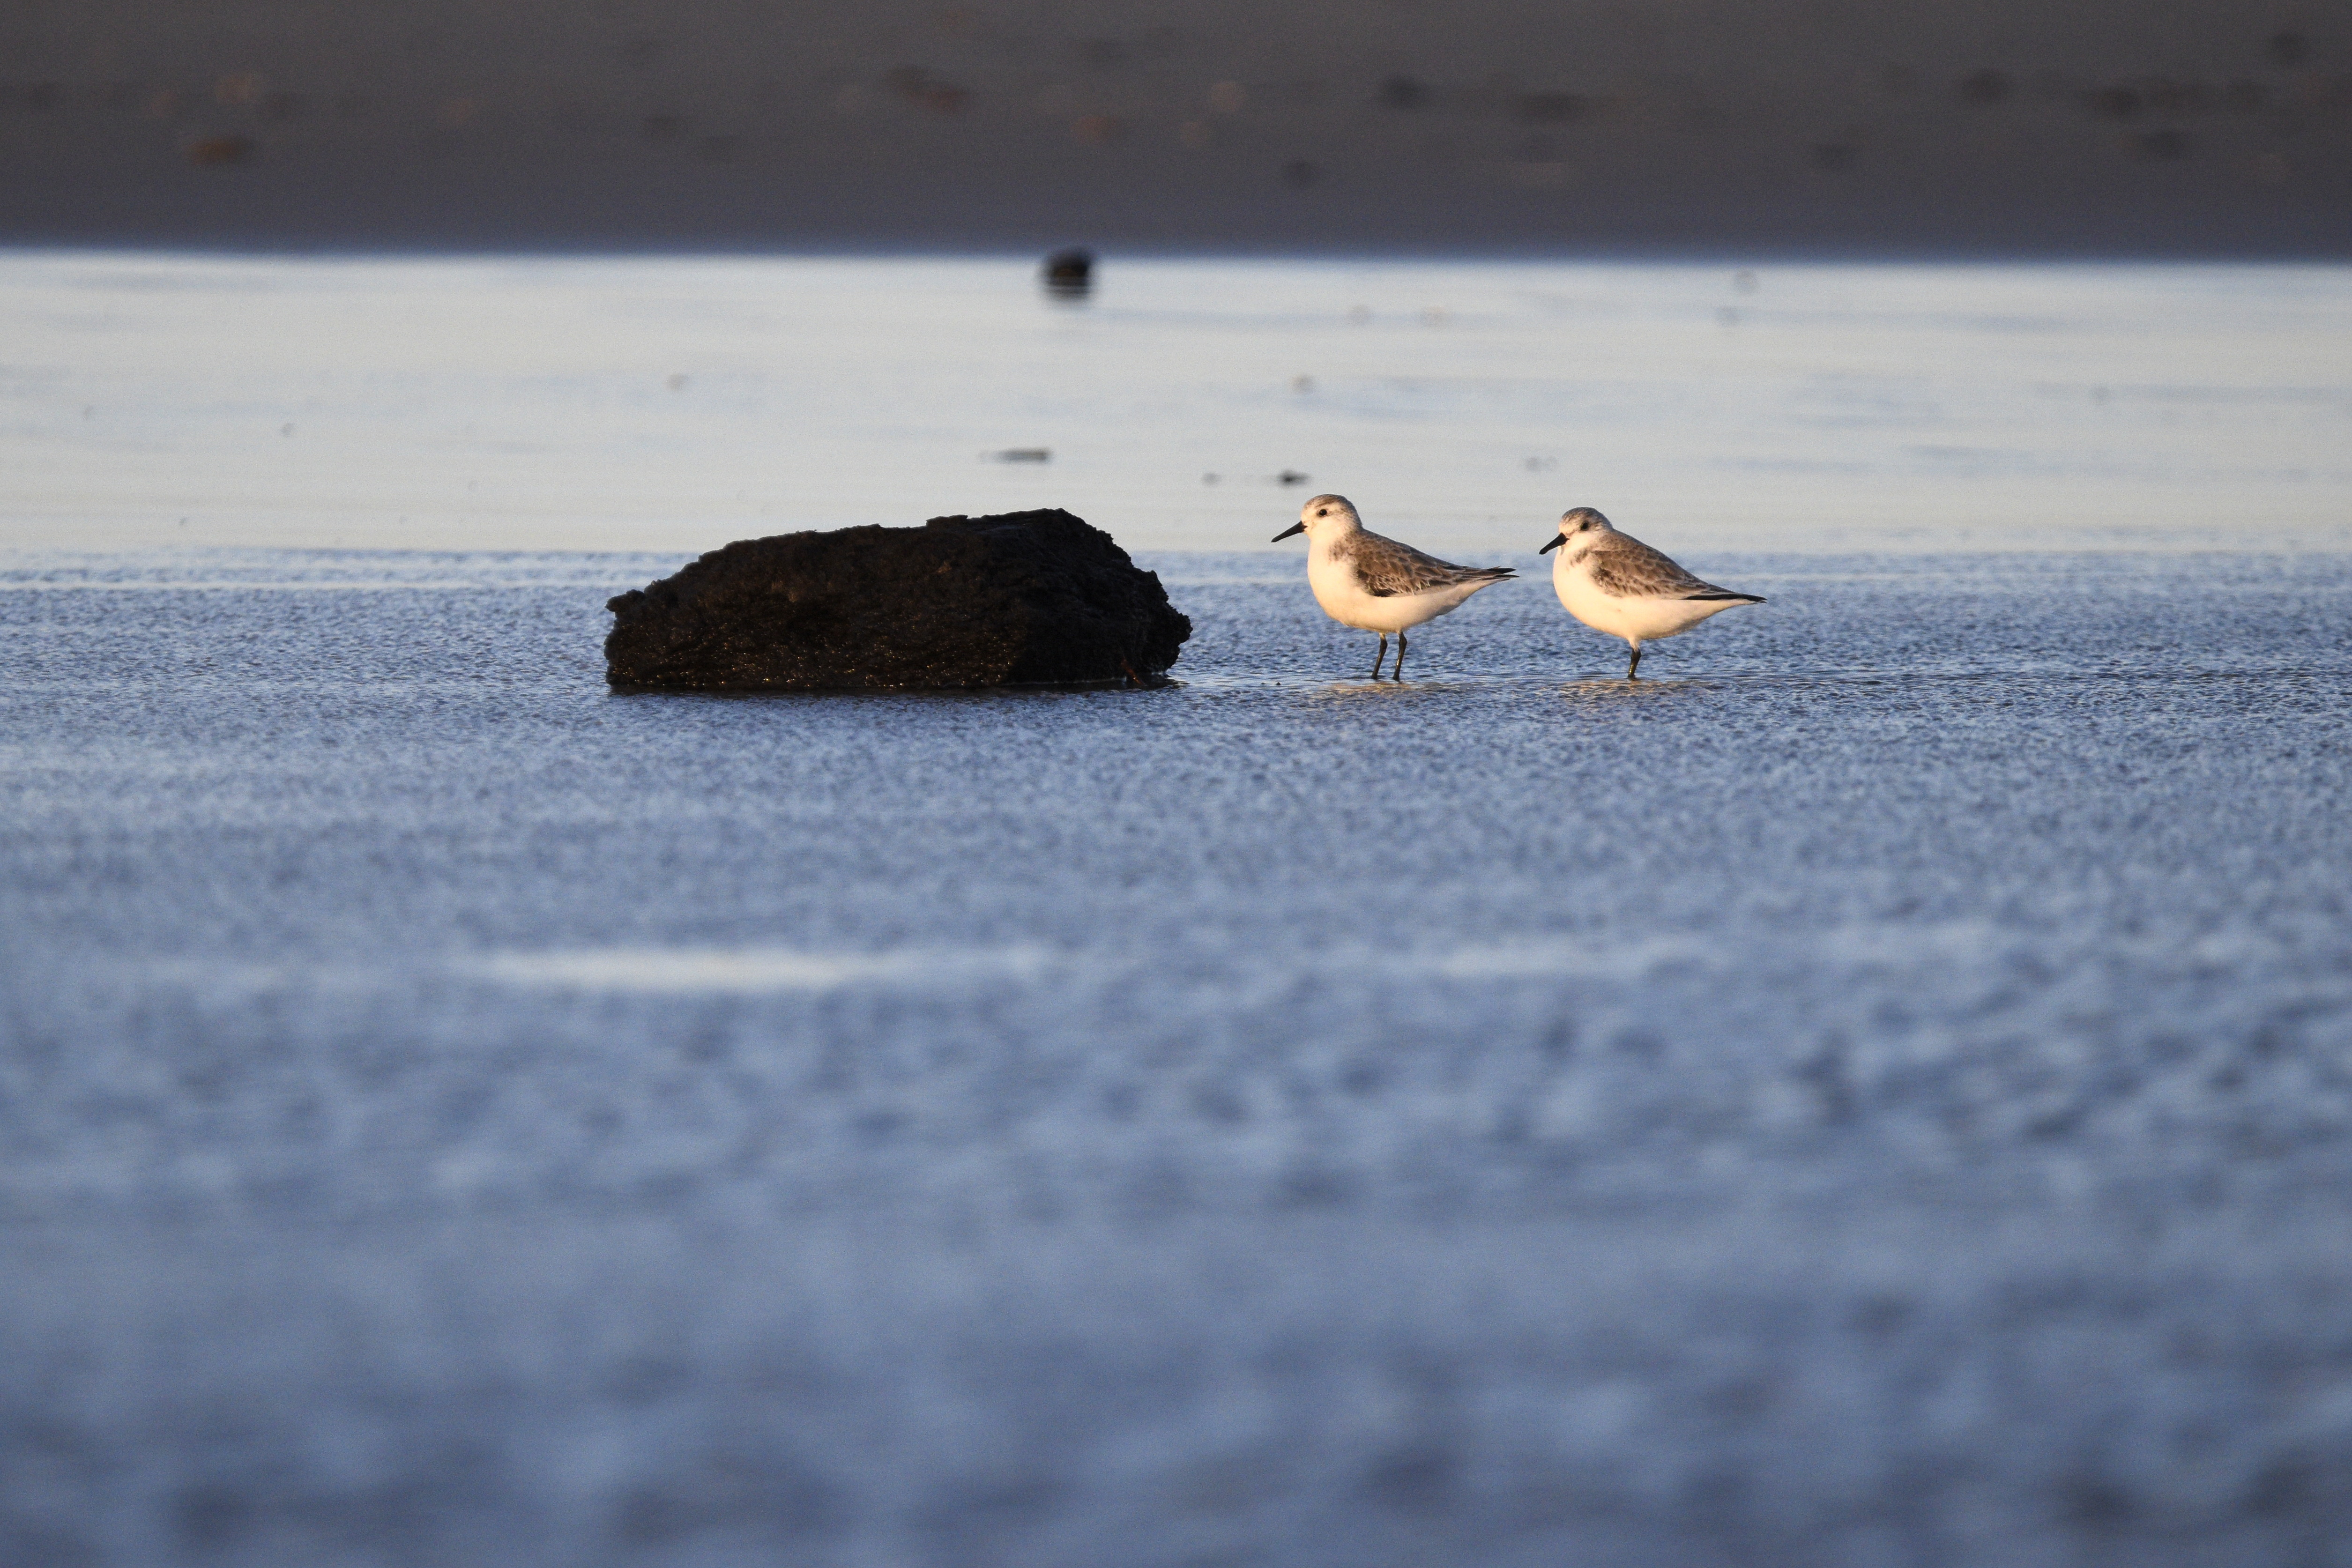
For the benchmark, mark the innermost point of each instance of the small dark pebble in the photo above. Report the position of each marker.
(2115, 102)
(920, 87)
(1070, 273)
(1986, 86)
(1403, 93)
(1552, 108)
(217, 151)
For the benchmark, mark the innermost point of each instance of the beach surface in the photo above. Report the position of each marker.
(1874, 1091)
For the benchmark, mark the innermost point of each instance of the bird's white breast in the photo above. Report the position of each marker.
(1340, 593)
(1640, 620)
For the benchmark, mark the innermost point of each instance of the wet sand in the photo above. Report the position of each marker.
(1872, 1091)
(1875, 1090)
(675, 403)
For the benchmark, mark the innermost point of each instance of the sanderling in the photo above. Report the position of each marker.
(1376, 584)
(1615, 583)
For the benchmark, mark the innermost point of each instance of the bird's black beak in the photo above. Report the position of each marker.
(1293, 529)
(1552, 544)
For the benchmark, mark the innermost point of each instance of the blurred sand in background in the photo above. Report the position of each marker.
(1988, 127)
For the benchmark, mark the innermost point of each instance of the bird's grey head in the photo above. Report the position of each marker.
(1323, 514)
(1574, 525)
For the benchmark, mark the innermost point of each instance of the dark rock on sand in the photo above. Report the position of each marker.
(1070, 273)
(1024, 598)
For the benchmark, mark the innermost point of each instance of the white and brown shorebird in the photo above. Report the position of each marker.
(1376, 584)
(1615, 583)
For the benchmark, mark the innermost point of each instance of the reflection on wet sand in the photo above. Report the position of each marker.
(1620, 690)
(1364, 689)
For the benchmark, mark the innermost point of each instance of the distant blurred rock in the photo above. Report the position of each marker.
(2115, 102)
(1070, 273)
(921, 87)
(2164, 144)
(1024, 598)
(216, 151)
(1552, 108)
(1987, 85)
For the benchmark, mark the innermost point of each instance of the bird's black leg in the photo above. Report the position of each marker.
(1633, 664)
(1381, 657)
(1397, 671)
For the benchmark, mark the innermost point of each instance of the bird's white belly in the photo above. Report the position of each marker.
(1343, 598)
(1636, 620)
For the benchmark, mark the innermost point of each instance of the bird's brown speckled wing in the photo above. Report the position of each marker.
(1628, 568)
(1386, 568)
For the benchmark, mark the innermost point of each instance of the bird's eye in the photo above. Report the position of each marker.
(1322, 511)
